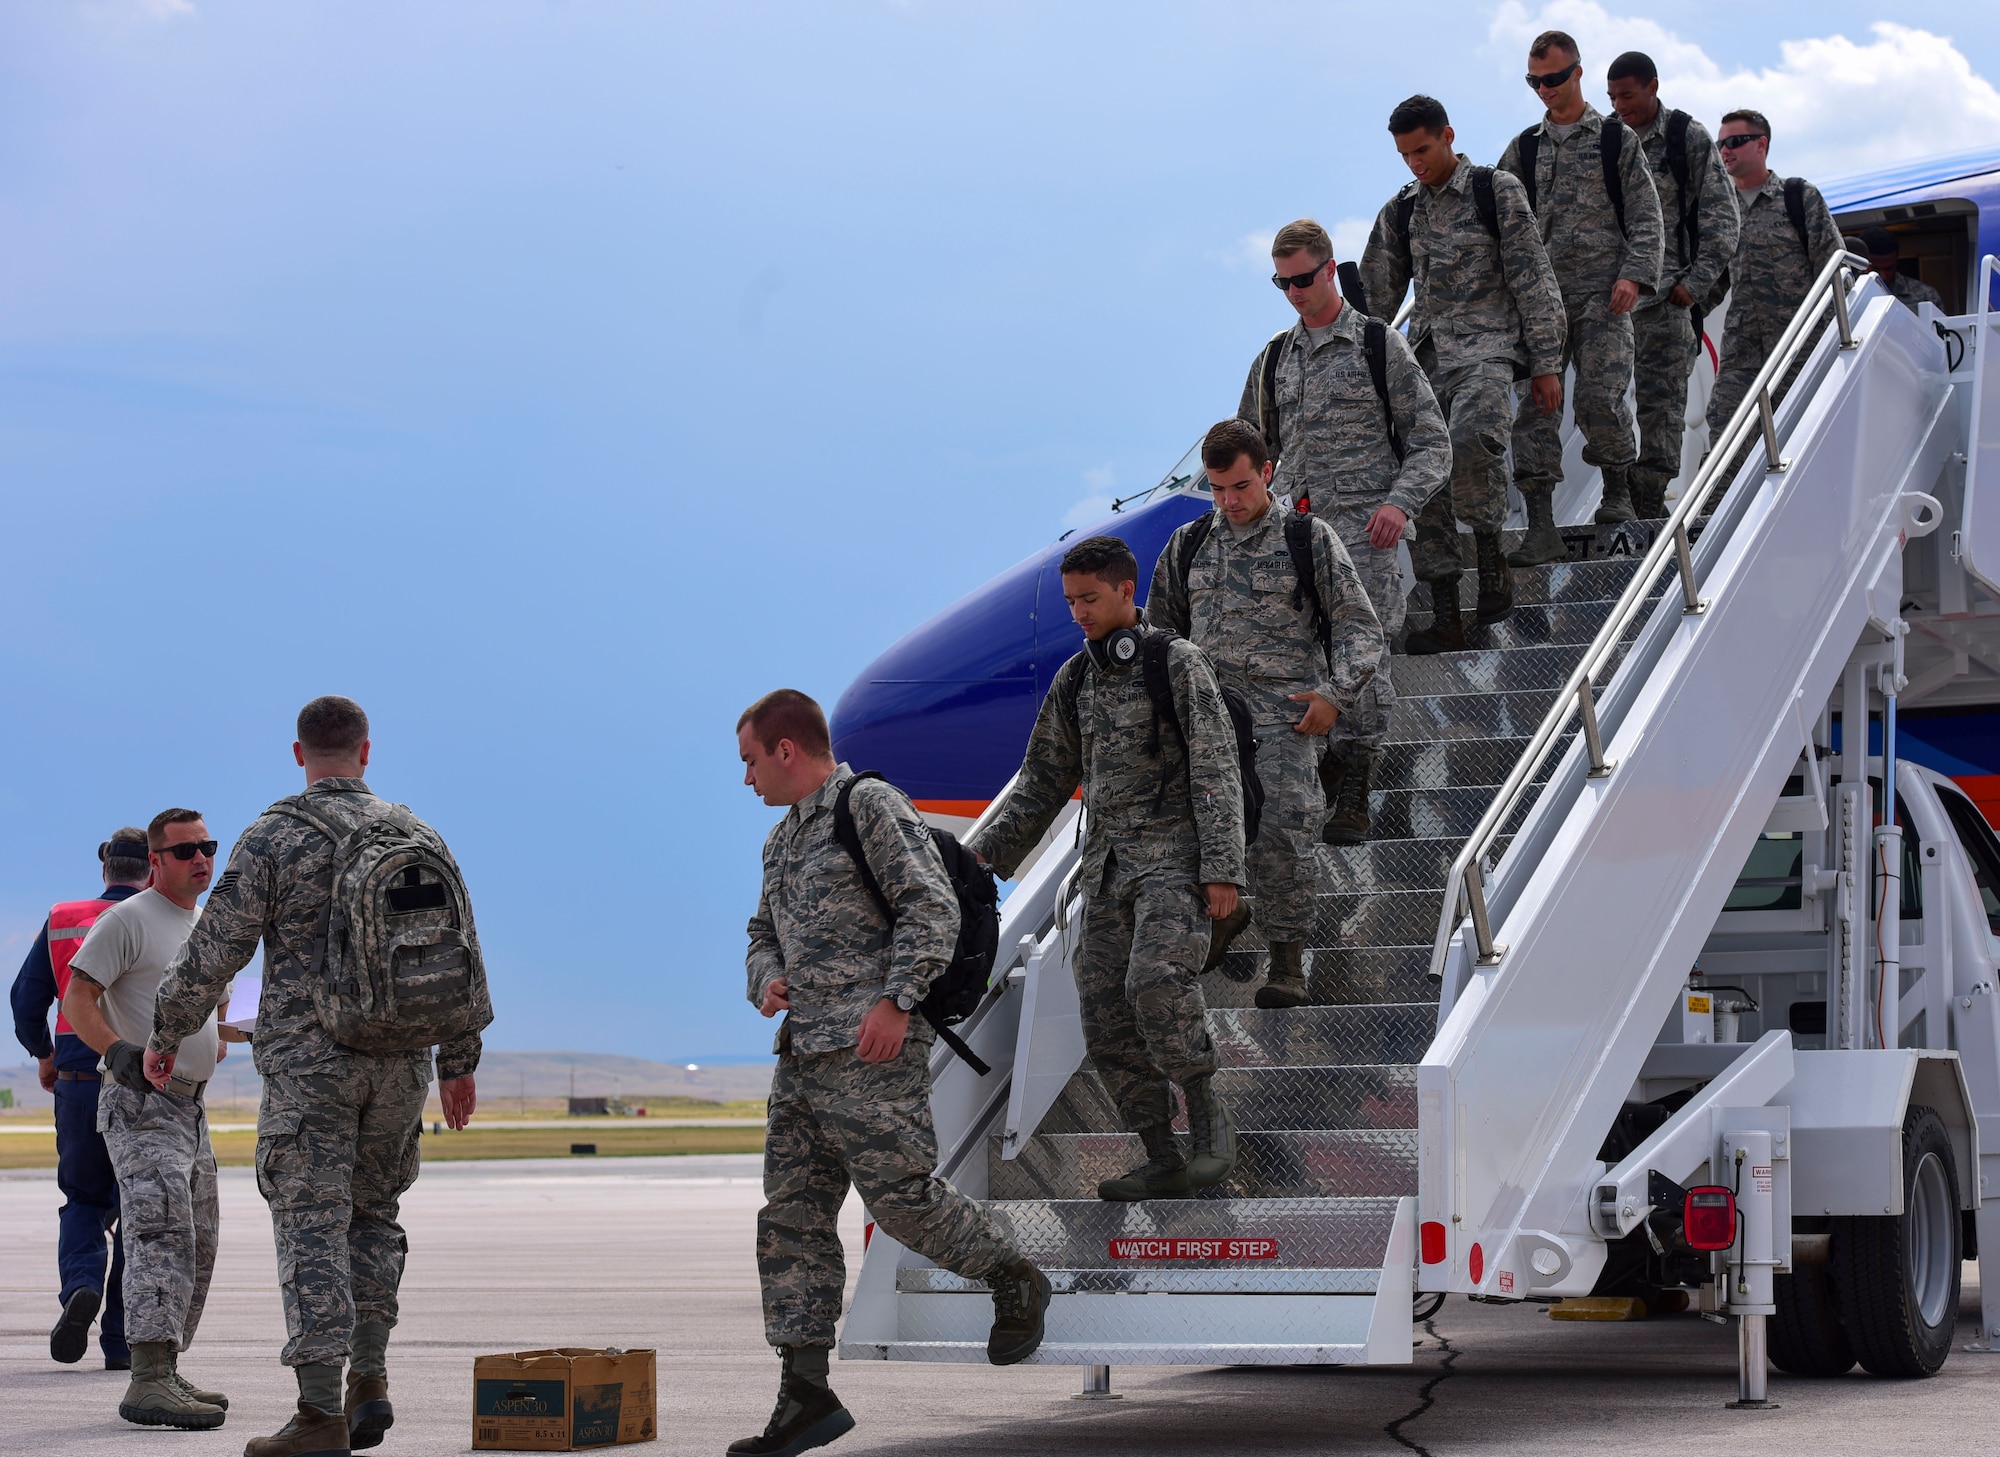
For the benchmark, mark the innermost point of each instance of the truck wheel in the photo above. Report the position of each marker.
(1897, 1275)
(1806, 1337)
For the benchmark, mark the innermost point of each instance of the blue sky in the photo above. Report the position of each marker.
(556, 377)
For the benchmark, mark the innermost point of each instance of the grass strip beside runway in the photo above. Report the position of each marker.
(624, 1140)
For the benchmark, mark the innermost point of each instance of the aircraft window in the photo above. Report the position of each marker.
(1188, 472)
(1772, 878)
(1981, 848)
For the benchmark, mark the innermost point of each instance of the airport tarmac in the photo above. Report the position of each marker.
(658, 1252)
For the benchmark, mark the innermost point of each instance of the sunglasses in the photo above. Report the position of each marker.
(1298, 280)
(1741, 139)
(191, 849)
(1554, 78)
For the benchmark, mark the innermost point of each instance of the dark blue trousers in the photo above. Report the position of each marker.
(89, 1212)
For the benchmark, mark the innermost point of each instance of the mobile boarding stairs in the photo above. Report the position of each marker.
(1507, 1080)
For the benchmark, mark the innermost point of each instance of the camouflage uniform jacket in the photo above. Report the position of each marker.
(1714, 223)
(1478, 297)
(1095, 730)
(1333, 432)
(1237, 605)
(1579, 225)
(1770, 273)
(279, 880)
(818, 927)
(1913, 291)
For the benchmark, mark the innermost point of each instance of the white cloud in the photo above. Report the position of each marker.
(1096, 504)
(124, 15)
(1252, 250)
(1836, 106)
(1350, 237)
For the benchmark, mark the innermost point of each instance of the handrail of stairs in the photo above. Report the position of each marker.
(1465, 887)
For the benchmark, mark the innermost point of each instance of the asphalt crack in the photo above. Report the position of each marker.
(1426, 1396)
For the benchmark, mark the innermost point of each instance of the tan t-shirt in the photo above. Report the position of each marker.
(127, 953)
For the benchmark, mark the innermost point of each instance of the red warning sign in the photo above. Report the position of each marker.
(1194, 1249)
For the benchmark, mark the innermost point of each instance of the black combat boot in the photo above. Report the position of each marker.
(1541, 544)
(1496, 580)
(1616, 504)
(1446, 634)
(808, 1414)
(1649, 496)
(1348, 823)
(1020, 1301)
(1224, 931)
(1162, 1176)
(71, 1336)
(1213, 1158)
(1285, 986)
(1332, 769)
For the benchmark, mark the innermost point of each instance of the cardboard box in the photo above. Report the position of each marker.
(562, 1400)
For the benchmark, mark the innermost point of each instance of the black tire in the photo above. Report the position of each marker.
(1897, 1276)
(1806, 1335)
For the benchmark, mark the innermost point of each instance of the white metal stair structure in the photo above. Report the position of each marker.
(1612, 757)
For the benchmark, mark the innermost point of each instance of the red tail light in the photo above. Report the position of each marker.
(1709, 1218)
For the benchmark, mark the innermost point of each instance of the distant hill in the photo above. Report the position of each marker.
(509, 1075)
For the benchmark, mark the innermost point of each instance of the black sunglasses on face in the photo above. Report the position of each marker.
(1298, 280)
(1554, 78)
(191, 849)
(1741, 139)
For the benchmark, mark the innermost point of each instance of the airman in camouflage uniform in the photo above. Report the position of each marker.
(1604, 264)
(337, 1132)
(1770, 272)
(1239, 600)
(1368, 468)
(1163, 822)
(1487, 313)
(1701, 236)
(1880, 248)
(850, 1100)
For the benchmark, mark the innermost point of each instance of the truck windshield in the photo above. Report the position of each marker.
(1981, 848)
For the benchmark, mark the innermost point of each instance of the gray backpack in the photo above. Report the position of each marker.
(396, 964)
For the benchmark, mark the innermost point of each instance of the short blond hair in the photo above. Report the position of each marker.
(1304, 236)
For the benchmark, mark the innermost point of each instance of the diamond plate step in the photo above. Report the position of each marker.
(1531, 626)
(1425, 718)
(1429, 814)
(1557, 582)
(1270, 1165)
(1335, 976)
(1364, 1034)
(1512, 670)
(1389, 917)
(1390, 864)
(1370, 1096)
(1449, 763)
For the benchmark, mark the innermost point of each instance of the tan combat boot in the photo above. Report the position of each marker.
(213, 1398)
(155, 1399)
(1541, 544)
(310, 1433)
(1285, 986)
(1224, 931)
(369, 1414)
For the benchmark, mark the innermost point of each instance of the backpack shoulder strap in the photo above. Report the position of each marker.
(1192, 543)
(1071, 687)
(300, 808)
(1529, 147)
(1795, 209)
(1160, 686)
(1375, 344)
(1482, 200)
(1299, 543)
(1610, 148)
(1267, 401)
(1677, 146)
(1406, 208)
(848, 834)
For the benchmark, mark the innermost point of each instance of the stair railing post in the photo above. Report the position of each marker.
(1482, 927)
(1773, 462)
(1600, 767)
(1692, 604)
(1837, 286)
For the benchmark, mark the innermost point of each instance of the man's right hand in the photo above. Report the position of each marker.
(126, 1062)
(159, 1067)
(45, 1073)
(1679, 296)
(777, 997)
(1547, 390)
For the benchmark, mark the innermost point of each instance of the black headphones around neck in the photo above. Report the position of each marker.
(1118, 648)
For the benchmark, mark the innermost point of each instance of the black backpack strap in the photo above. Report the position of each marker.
(1677, 165)
(1406, 208)
(849, 835)
(1268, 400)
(1349, 275)
(1795, 209)
(1191, 545)
(956, 1043)
(1529, 147)
(1610, 148)
(1482, 200)
(1375, 344)
(1299, 542)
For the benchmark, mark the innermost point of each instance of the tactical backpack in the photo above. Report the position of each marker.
(1795, 214)
(1298, 543)
(954, 994)
(1483, 203)
(1374, 344)
(1160, 693)
(1610, 147)
(395, 961)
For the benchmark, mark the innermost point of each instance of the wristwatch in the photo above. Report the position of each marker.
(904, 1002)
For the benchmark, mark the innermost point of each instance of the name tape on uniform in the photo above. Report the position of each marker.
(1194, 1249)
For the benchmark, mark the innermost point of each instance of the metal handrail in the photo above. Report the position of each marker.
(1465, 886)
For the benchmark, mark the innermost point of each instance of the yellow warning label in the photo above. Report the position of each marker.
(1698, 1003)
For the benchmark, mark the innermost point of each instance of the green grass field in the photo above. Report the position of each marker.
(626, 1139)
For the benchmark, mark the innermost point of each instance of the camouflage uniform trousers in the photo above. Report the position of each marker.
(1366, 725)
(1664, 348)
(1600, 346)
(1144, 1020)
(834, 1118)
(167, 1208)
(1478, 404)
(336, 1149)
(1283, 864)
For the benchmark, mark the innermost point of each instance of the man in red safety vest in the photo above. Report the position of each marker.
(68, 1070)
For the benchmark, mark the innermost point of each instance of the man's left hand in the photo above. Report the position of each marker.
(159, 1067)
(1221, 896)
(459, 1097)
(1385, 527)
(1679, 296)
(1319, 714)
(1624, 294)
(883, 1031)
(45, 1073)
